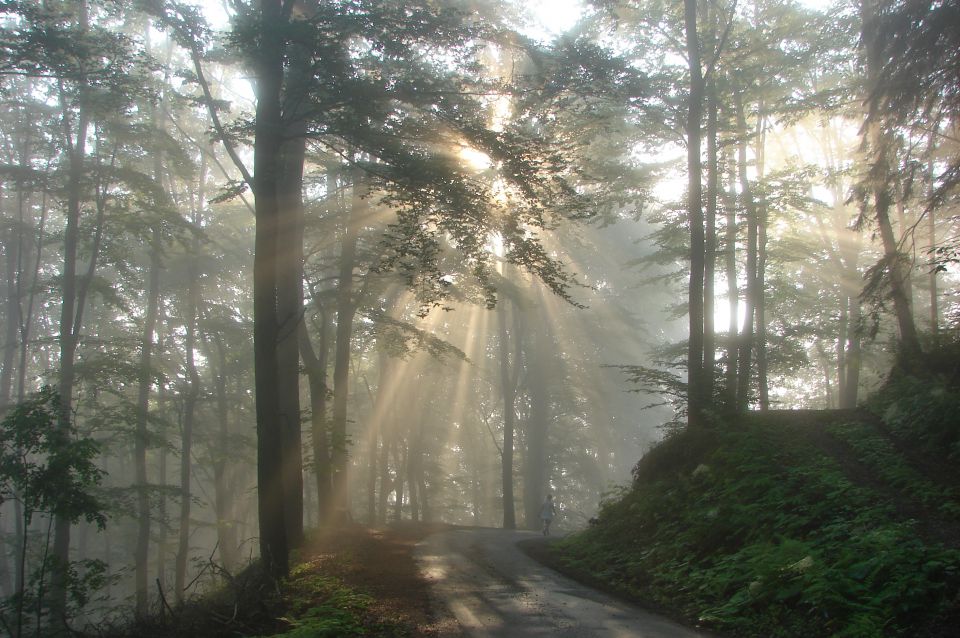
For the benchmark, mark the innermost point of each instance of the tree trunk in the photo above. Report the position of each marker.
(759, 296)
(142, 435)
(744, 365)
(710, 256)
(191, 395)
(400, 462)
(508, 387)
(346, 309)
(932, 243)
(843, 329)
(880, 145)
(316, 368)
(269, 60)
(733, 295)
(223, 493)
(12, 317)
(696, 400)
(385, 480)
(289, 320)
(386, 396)
(851, 383)
(70, 310)
(535, 466)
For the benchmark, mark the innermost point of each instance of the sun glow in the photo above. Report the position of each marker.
(474, 159)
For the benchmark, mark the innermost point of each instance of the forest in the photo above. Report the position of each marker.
(275, 266)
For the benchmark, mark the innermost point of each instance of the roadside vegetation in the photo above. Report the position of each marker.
(348, 581)
(799, 523)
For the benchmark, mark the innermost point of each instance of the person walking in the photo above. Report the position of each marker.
(547, 511)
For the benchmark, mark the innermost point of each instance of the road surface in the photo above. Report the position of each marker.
(495, 590)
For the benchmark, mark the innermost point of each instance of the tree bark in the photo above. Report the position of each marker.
(142, 434)
(508, 386)
(733, 295)
(535, 458)
(746, 341)
(12, 318)
(74, 141)
(191, 395)
(932, 243)
(316, 368)
(880, 146)
(269, 59)
(290, 319)
(696, 400)
(759, 296)
(710, 248)
(346, 309)
(223, 493)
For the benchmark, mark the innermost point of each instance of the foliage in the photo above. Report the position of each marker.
(322, 606)
(44, 465)
(922, 411)
(49, 469)
(782, 526)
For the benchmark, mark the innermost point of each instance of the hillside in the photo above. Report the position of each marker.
(795, 523)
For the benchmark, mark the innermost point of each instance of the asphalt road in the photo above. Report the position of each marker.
(495, 590)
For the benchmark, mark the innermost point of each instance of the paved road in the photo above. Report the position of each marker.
(495, 590)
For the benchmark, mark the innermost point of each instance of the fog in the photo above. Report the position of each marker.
(432, 265)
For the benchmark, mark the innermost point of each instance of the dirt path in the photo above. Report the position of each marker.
(495, 590)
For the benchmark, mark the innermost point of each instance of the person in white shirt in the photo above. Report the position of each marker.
(547, 511)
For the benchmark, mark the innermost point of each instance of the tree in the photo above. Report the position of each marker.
(51, 471)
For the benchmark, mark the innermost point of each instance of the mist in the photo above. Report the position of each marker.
(272, 268)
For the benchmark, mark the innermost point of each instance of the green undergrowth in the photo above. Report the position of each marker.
(312, 602)
(321, 606)
(794, 524)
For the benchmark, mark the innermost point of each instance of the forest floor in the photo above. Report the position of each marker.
(346, 581)
(380, 563)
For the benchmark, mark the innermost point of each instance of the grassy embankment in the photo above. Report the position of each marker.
(796, 523)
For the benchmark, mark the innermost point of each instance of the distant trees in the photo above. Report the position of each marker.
(49, 471)
(911, 97)
(753, 77)
(414, 169)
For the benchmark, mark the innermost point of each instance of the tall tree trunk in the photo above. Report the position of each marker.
(316, 368)
(289, 320)
(932, 242)
(733, 294)
(710, 256)
(192, 391)
(223, 492)
(508, 386)
(897, 272)
(535, 465)
(346, 309)
(74, 139)
(843, 329)
(142, 435)
(400, 462)
(385, 480)
(12, 318)
(744, 364)
(385, 398)
(268, 67)
(696, 400)
(162, 537)
(851, 384)
(759, 297)
(880, 146)
(413, 467)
